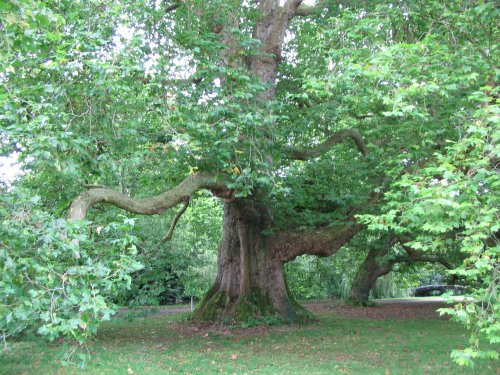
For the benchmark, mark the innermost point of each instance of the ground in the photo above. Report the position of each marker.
(396, 337)
(414, 308)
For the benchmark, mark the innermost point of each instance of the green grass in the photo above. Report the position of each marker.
(332, 345)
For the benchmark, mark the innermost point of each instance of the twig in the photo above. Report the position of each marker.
(174, 221)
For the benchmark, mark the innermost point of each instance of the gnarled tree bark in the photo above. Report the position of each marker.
(250, 281)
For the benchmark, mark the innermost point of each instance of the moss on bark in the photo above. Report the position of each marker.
(252, 309)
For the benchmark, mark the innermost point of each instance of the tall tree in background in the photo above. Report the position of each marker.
(384, 253)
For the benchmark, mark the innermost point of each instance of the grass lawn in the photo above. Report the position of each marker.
(338, 343)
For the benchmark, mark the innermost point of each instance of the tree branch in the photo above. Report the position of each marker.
(291, 6)
(320, 242)
(146, 206)
(336, 138)
(172, 82)
(178, 215)
(172, 7)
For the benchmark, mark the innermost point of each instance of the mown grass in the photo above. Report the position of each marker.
(332, 345)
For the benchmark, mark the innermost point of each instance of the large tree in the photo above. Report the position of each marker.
(144, 103)
(250, 279)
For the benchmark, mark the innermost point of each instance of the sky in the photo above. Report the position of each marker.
(9, 168)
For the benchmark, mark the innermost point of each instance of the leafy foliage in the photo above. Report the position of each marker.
(139, 97)
(59, 277)
(453, 201)
(416, 79)
(183, 266)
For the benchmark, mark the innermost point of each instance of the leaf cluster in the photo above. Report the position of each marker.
(59, 277)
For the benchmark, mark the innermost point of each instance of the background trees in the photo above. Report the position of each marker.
(252, 97)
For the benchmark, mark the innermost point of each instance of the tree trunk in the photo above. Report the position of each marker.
(250, 282)
(374, 266)
(367, 275)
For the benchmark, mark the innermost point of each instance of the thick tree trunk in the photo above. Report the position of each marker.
(367, 275)
(250, 282)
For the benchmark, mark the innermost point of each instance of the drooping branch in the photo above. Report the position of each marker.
(334, 139)
(146, 206)
(177, 216)
(323, 242)
(410, 257)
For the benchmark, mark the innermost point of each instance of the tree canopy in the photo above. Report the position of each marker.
(311, 122)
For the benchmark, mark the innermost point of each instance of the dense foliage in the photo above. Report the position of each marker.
(58, 277)
(182, 267)
(137, 95)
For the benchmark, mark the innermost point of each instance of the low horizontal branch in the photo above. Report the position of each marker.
(417, 256)
(146, 206)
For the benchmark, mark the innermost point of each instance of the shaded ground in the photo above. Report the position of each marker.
(150, 311)
(415, 308)
(397, 337)
(384, 309)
